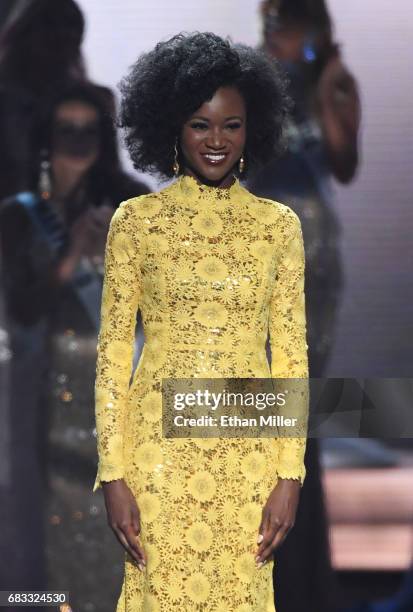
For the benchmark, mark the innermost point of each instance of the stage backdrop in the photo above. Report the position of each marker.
(375, 333)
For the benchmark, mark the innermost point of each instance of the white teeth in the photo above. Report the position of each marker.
(215, 157)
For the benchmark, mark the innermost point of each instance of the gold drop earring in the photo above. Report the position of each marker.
(176, 167)
(45, 181)
(241, 164)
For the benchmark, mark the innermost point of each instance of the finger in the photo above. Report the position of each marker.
(265, 519)
(262, 527)
(136, 527)
(122, 539)
(136, 521)
(130, 546)
(272, 527)
(134, 542)
(265, 546)
(260, 532)
(265, 530)
(278, 538)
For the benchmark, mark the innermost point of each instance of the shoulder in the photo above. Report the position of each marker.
(135, 208)
(279, 213)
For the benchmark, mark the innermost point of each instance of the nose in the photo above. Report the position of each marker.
(215, 139)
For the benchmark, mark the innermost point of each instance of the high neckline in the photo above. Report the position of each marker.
(189, 187)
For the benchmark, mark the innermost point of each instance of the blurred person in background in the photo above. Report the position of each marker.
(9, 10)
(52, 245)
(40, 51)
(40, 54)
(321, 144)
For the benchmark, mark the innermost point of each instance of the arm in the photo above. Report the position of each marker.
(340, 114)
(287, 326)
(120, 303)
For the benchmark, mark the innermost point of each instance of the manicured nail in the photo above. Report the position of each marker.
(259, 566)
(260, 538)
(257, 558)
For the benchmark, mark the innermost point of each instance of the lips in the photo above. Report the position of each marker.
(214, 159)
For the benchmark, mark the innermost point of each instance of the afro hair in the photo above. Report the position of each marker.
(167, 85)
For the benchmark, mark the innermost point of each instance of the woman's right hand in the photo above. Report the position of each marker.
(87, 237)
(124, 518)
(89, 232)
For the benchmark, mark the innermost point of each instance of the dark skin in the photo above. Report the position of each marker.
(124, 519)
(336, 100)
(217, 127)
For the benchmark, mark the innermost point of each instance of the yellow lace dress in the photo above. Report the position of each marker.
(212, 271)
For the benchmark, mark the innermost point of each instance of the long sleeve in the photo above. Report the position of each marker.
(288, 341)
(120, 302)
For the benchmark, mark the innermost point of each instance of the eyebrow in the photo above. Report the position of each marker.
(206, 119)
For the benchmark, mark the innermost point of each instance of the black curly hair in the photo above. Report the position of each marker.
(168, 84)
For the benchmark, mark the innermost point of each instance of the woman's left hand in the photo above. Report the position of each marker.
(338, 94)
(339, 107)
(278, 517)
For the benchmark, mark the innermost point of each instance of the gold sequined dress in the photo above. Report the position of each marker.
(213, 271)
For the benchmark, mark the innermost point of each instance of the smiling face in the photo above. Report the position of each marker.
(213, 138)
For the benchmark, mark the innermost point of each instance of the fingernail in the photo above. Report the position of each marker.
(260, 538)
(257, 558)
(259, 566)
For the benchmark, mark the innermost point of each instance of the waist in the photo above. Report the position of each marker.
(172, 345)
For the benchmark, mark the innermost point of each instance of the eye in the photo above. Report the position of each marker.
(198, 125)
(234, 126)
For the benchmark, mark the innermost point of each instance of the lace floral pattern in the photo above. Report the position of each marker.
(212, 271)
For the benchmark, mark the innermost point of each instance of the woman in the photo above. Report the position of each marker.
(211, 267)
(322, 144)
(40, 53)
(52, 240)
(76, 183)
